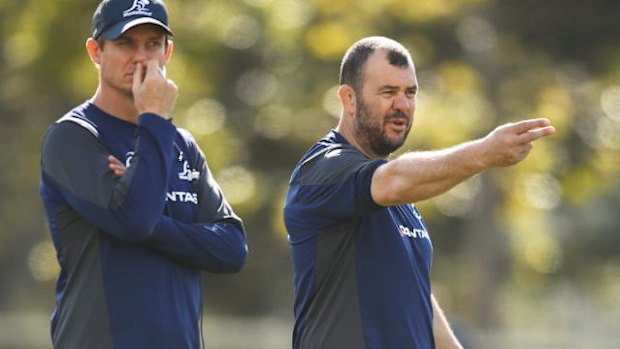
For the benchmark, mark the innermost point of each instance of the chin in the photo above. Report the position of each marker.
(396, 140)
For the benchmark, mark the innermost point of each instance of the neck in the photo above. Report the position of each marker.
(116, 103)
(347, 130)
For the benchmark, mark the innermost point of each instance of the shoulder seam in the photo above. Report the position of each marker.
(82, 122)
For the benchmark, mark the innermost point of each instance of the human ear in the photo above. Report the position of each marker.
(169, 49)
(94, 51)
(346, 94)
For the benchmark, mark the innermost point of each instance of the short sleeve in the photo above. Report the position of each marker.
(336, 184)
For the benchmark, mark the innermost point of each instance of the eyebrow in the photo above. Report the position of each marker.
(151, 37)
(392, 87)
(388, 87)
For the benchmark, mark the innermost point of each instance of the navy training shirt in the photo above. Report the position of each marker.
(131, 249)
(362, 271)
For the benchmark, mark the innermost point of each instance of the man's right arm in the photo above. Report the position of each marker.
(418, 176)
(75, 168)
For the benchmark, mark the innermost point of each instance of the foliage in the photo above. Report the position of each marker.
(257, 80)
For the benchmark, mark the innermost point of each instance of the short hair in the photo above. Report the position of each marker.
(354, 60)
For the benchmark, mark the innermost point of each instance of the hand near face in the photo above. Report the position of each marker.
(510, 143)
(153, 92)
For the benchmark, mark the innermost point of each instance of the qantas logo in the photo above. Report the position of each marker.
(413, 233)
(182, 197)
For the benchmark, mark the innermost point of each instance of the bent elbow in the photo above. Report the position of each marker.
(236, 251)
(236, 259)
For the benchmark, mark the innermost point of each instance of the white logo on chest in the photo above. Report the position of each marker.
(128, 156)
(413, 233)
(182, 196)
(188, 174)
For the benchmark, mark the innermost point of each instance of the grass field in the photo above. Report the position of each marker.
(225, 332)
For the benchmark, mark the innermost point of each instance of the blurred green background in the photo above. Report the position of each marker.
(525, 257)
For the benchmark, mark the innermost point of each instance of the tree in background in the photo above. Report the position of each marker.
(257, 85)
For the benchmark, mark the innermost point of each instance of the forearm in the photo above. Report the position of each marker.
(74, 163)
(444, 337)
(214, 247)
(418, 176)
(139, 195)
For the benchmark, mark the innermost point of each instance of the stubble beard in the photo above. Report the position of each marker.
(370, 133)
(118, 85)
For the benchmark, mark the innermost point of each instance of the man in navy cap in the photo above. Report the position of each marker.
(134, 212)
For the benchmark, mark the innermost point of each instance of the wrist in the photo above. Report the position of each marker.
(476, 156)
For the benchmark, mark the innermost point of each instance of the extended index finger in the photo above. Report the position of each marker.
(137, 75)
(536, 133)
(530, 124)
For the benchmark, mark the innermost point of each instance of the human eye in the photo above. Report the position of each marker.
(122, 41)
(388, 92)
(155, 43)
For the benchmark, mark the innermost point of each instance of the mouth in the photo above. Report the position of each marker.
(398, 124)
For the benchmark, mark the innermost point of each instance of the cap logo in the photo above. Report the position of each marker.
(139, 7)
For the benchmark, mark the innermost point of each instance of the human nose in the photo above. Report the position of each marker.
(140, 55)
(403, 103)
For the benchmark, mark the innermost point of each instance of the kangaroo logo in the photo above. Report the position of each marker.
(188, 174)
(139, 7)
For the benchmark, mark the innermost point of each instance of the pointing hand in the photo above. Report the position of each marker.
(510, 143)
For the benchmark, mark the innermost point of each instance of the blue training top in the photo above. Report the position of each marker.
(362, 271)
(131, 248)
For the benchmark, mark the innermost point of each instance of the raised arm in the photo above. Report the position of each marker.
(75, 171)
(75, 166)
(215, 242)
(416, 176)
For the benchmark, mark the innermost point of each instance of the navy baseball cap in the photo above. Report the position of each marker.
(113, 17)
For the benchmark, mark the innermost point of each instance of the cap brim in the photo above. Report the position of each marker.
(116, 30)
